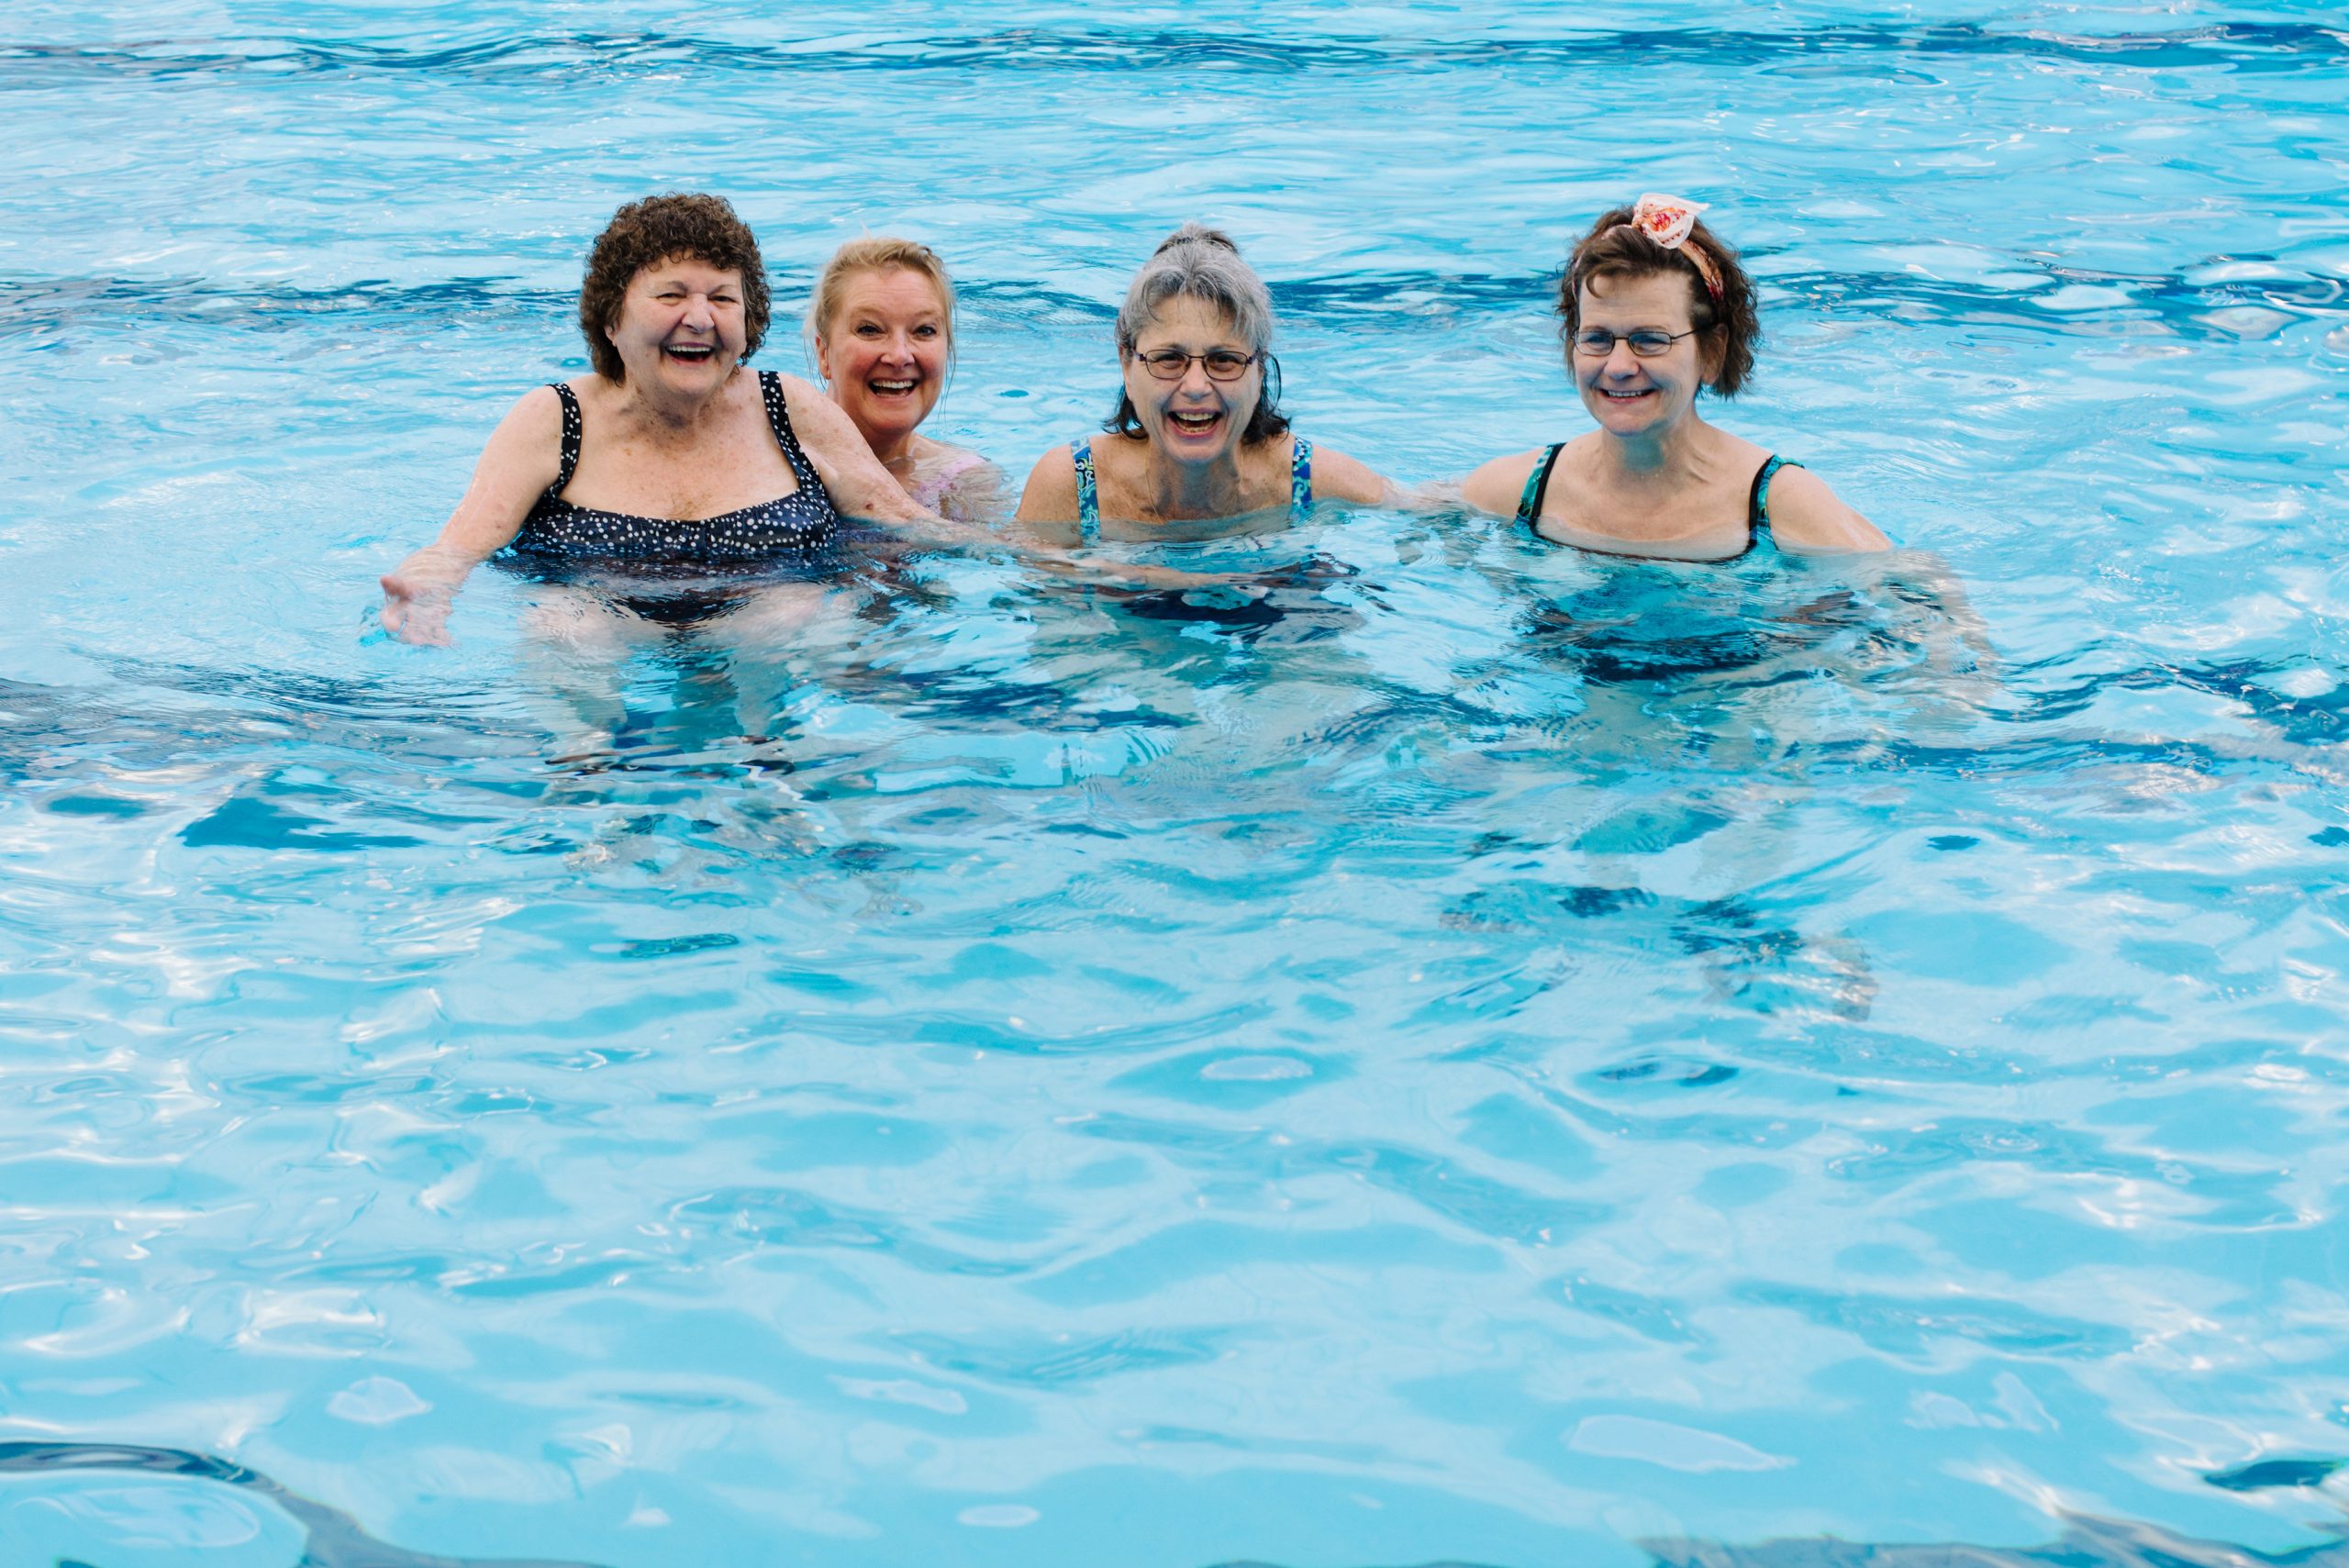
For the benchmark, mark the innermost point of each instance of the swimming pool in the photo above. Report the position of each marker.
(1482, 1054)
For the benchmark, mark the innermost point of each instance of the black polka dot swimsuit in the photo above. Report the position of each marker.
(786, 528)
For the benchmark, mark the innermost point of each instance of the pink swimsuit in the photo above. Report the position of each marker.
(932, 490)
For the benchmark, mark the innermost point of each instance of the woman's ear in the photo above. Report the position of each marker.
(1712, 353)
(823, 360)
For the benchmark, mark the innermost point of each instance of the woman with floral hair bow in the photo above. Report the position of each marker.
(1655, 309)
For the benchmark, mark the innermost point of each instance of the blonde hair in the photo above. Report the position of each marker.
(873, 253)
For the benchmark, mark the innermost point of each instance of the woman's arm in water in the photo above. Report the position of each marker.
(521, 461)
(855, 479)
(1807, 518)
(861, 487)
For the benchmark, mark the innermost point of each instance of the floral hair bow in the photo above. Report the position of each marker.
(1668, 221)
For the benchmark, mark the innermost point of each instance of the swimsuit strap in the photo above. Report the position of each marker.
(779, 419)
(572, 425)
(1757, 500)
(1300, 476)
(1088, 493)
(1537, 484)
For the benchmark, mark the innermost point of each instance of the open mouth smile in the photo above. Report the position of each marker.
(892, 387)
(1189, 422)
(689, 353)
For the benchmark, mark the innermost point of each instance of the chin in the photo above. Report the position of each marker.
(1638, 420)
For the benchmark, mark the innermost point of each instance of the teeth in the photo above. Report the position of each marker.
(892, 387)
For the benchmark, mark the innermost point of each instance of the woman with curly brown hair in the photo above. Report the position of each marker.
(666, 460)
(1655, 310)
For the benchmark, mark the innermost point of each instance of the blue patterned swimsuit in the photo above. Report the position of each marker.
(788, 527)
(1088, 490)
(1757, 504)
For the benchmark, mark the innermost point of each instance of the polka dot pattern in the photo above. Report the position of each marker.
(787, 526)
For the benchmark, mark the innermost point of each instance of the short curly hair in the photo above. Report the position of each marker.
(646, 232)
(1614, 249)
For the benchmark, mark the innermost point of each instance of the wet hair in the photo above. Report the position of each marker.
(873, 253)
(1202, 263)
(1613, 249)
(660, 228)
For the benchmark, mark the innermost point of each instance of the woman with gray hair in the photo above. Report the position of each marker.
(1198, 432)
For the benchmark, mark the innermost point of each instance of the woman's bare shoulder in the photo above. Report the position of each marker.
(1807, 515)
(527, 442)
(1050, 493)
(1337, 477)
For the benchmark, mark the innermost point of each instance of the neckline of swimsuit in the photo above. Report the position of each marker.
(1757, 506)
(1088, 488)
(778, 419)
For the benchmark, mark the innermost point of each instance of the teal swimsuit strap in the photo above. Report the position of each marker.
(1537, 484)
(1757, 502)
(1088, 489)
(1088, 493)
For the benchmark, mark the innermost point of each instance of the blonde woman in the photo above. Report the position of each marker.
(881, 331)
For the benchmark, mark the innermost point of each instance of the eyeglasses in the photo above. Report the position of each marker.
(1647, 342)
(1222, 364)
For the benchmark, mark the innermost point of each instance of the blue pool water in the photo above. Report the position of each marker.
(1479, 1053)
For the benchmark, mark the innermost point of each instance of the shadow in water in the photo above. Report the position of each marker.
(336, 1538)
(2085, 1543)
(335, 1541)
